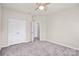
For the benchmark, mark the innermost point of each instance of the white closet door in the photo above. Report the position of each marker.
(16, 31)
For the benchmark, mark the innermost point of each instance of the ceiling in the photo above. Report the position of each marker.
(30, 7)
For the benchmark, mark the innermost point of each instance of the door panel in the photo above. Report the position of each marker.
(16, 31)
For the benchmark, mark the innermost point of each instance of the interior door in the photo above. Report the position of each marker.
(16, 31)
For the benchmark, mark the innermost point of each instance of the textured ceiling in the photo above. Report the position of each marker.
(30, 7)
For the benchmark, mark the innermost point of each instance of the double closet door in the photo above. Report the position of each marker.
(17, 31)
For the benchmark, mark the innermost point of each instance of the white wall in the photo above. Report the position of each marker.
(63, 27)
(8, 13)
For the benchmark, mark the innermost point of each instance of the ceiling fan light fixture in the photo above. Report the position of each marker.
(41, 7)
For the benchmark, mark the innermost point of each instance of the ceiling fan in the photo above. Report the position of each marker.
(41, 6)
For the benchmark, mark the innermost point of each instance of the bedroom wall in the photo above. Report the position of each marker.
(8, 13)
(63, 27)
